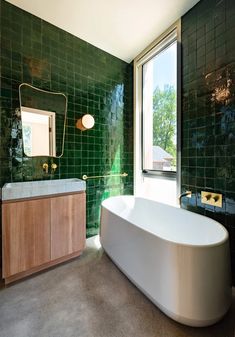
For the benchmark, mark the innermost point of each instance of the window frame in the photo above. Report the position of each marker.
(164, 41)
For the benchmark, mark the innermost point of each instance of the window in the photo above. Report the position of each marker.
(157, 96)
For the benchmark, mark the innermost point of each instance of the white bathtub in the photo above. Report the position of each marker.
(178, 259)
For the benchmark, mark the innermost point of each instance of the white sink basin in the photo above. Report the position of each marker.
(30, 189)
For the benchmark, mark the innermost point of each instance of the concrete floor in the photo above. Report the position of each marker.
(90, 297)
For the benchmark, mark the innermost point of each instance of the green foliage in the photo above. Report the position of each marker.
(164, 118)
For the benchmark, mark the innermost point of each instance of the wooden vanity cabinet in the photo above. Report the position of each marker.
(26, 235)
(67, 225)
(39, 233)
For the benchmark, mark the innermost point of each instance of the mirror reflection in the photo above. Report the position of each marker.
(38, 125)
(43, 116)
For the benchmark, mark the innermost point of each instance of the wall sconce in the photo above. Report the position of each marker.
(86, 122)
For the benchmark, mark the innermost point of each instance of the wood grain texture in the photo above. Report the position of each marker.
(67, 225)
(37, 269)
(26, 235)
(40, 233)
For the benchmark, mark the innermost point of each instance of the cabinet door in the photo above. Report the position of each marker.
(67, 225)
(26, 235)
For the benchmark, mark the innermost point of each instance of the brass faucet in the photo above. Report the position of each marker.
(53, 167)
(184, 194)
(45, 167)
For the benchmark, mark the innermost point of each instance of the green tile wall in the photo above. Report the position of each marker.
(208, 111)
(95, 82)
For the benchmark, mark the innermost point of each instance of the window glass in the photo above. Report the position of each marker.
(159, 110)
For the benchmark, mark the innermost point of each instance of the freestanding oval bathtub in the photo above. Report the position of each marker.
(178, 259)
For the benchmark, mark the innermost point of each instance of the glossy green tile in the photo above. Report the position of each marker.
(208, 120)
(95, 82)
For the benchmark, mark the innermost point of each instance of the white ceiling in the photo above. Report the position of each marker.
(122, 28)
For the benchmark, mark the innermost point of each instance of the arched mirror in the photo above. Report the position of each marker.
(43, 117)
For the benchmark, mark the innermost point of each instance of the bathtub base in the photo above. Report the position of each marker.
(178, 318)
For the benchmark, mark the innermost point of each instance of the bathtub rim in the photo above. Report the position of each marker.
(170, 241)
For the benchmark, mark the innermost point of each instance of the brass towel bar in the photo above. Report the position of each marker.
(85, 177)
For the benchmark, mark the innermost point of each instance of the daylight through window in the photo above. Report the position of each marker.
(159, 103)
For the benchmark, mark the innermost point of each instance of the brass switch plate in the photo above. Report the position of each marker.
(213, 199)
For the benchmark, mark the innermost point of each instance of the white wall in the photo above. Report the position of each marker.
(162, 190)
